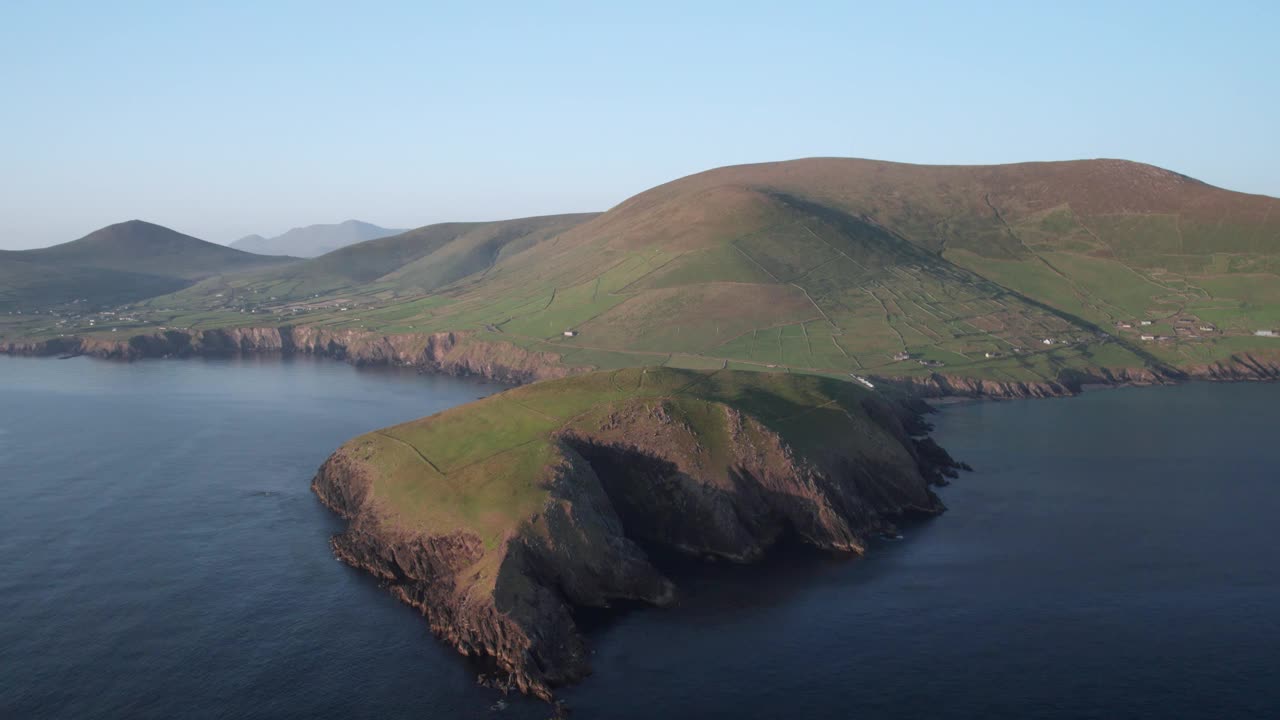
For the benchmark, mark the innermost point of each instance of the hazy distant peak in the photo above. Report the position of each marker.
(314, 240)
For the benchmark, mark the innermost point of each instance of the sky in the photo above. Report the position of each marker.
(225, 119)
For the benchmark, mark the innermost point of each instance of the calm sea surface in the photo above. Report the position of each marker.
(161, 556)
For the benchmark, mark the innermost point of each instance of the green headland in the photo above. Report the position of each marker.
(501, 518)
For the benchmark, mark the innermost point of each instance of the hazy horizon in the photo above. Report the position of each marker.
(221, 122)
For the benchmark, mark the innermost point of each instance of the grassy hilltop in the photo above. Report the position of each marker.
(822, 265)
(482, 467)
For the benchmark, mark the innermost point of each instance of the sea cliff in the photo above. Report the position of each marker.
(453, 353)
(575, 481)
(464, 353)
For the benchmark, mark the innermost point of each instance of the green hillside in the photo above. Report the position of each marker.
(411, 264)
(120, 263)
(831, 265)
(482, 464)
(825, 266)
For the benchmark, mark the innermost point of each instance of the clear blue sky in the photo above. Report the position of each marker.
(222, 119)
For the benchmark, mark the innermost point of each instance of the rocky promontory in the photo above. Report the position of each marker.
(501, 518)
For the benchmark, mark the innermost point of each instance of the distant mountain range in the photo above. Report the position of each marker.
(120, 263)
(314, 240)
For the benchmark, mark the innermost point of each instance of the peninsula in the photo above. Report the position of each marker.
(500, 518)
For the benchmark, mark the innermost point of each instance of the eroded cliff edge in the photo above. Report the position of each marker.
(466, 353)
(500, 518)
(453, 353)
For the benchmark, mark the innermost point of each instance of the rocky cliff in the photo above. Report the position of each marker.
(462, 353)
(708, 464)
(451, 353)
(1236, 368)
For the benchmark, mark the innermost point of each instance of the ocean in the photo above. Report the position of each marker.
(161, 556)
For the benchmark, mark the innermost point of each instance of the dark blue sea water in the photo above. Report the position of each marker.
(161, 556)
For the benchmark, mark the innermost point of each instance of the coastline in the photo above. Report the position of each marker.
(459, 353)
(417, 567)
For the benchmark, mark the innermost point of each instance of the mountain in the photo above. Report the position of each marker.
(119, 263)
(841, 265)
(1018, 277)
(409, 264)
(313, 240)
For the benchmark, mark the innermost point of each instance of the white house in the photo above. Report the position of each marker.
(570, 333)
(1266, 333)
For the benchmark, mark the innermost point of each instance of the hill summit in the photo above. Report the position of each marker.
(118, 263)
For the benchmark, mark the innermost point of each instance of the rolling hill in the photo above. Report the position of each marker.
(119, 263)
(410, 264)
(1008, 273)
(313, 240)
(841, 265)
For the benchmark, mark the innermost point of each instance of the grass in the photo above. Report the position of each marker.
(483, 467)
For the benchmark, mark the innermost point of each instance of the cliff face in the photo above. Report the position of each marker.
(460, 353)
(939, 385)
(1239, 367)
(450, 353)
(704, 477)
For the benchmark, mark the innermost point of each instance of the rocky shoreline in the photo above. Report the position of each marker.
(461, 354)
(450, 353)
(639, 478)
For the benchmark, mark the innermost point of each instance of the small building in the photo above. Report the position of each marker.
(571, 333)
(1047, 341)
(902, 356)
(1124, 325)
(1266, 333)
(988, 355)
(1148, 338)
(1206, 328)
(1144, 323)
